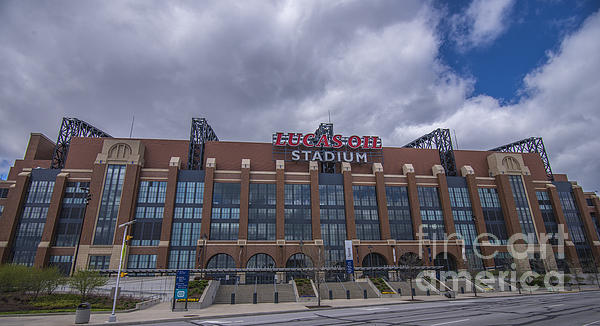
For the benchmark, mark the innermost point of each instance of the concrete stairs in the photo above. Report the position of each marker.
(404, 287)
(356, 290)
(245, 292)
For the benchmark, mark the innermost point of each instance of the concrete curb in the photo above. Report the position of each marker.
(196, 317)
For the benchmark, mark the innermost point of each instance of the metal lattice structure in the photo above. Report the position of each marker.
(200, 133)
(325, 129)
(529, 145)
(440, 139)
(69, 128)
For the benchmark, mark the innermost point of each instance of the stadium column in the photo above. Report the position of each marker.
(244, 201)
(415, 209)
(349, 208)
(567, 248)
(280, 210)
(545, 249)
(42, 254)
(384, 219)
(91, 212)
(10, 216)
(452, 239)
(162, 258)
(509, 210)
(126, 212)
(469, 174)
(209, 176)
(313, 169)
(588, 224)
(280, 203)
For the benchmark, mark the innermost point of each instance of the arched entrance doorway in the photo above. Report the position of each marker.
(262, 261)
(374, 260)
(446, 260)
(222, 261)
(298, 260)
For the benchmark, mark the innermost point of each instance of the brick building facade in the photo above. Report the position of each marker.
(246, 208)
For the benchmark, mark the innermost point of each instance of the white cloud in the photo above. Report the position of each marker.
(252, 68)
(481, 23)
(560, 105)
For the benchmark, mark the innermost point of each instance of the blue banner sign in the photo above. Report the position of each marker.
(349, 257)
(349, 266)
(182, 279)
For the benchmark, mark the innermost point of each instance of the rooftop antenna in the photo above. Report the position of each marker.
(329, 112)
(455, 139)
(131, 130)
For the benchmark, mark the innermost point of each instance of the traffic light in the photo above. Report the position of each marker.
(123, 274)
(129, 237)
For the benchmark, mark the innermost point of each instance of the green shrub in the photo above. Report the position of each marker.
(196, 288)
(304, 287)
(14, 278)
(86, 281)
(381, 285)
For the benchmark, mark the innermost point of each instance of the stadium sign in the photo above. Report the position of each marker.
(326, 148)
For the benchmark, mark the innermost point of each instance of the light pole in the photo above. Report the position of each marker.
(113, 318)
(371, 261)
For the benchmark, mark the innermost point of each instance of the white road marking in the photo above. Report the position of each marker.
(556, 305)
(592, 323)
(450, 322)
(370, 309)
(220, 321)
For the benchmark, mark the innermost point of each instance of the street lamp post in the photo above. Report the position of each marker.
(113, 318)
(370, 259)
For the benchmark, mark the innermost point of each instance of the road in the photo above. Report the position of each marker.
(557, 309)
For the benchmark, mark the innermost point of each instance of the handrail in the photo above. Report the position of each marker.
(324, 282)
(475, 284)
(342, 284)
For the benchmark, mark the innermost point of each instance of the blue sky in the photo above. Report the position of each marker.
(493, 71)
(531, 29)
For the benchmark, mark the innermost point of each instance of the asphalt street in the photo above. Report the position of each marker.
(558, 309)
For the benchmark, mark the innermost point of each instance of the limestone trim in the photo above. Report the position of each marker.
(228, 171)
(507, 163)
(121, 151)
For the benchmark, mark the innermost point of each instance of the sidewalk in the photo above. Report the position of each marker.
(162, 312)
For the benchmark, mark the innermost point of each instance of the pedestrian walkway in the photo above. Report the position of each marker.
(162, 312)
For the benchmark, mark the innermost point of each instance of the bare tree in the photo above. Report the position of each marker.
(412, 262)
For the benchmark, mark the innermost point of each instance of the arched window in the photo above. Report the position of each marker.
(221, 261)
(446, 260)
(374, 260)
(261, 261)
(260, 277)
(298, 260)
